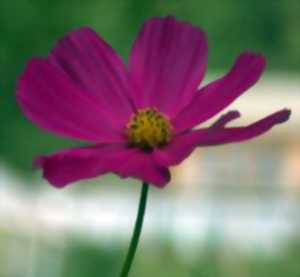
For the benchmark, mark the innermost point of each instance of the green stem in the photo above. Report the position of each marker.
(137, 231)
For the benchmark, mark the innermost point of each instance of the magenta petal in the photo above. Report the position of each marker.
(226, 118)
(71, 165)
(217, 95)
(183, 145)
(167, 64)
(95, 68)
(53, 102)
(141, 165)
(177, 150)
(216, 136)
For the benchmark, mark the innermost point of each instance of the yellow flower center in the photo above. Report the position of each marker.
(148, 128)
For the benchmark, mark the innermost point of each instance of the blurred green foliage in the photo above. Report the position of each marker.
(31, 27)
(161, 259)
(78, 257)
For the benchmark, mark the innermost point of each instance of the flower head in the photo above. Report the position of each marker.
(140, 119)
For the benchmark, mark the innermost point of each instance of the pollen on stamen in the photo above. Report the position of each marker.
(148, 129)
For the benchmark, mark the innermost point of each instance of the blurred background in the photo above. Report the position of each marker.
(230, 211)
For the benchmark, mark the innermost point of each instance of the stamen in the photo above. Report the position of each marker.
(148, 128)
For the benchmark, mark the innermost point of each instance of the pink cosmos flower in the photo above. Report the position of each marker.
(139, 119)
